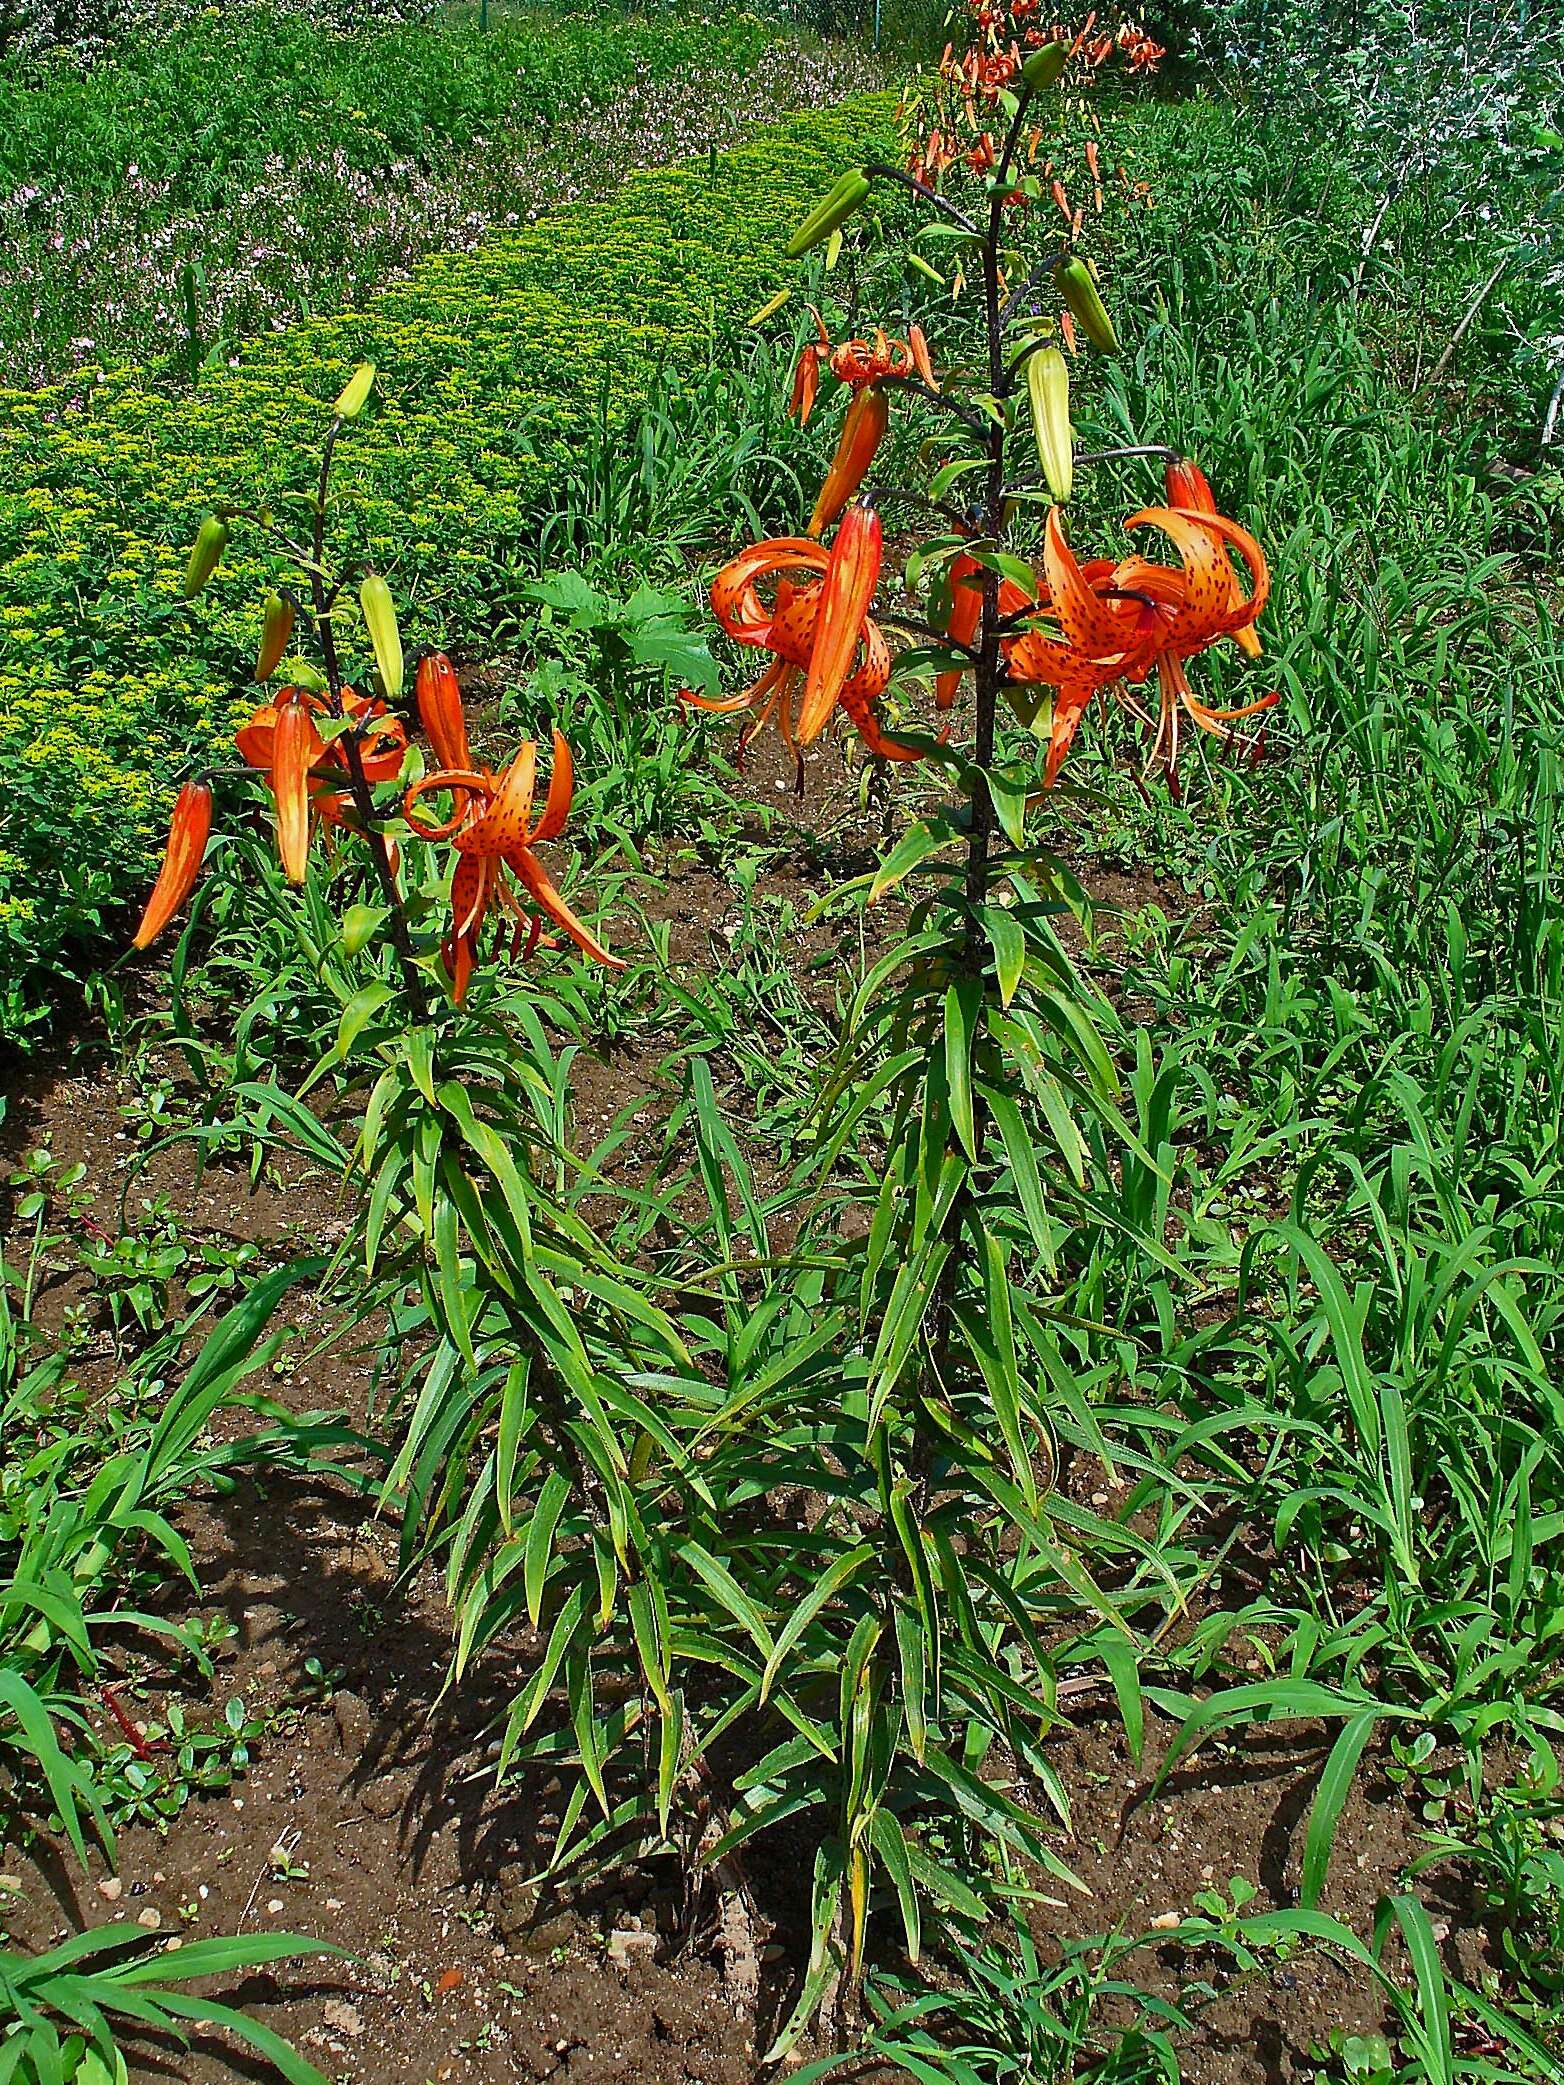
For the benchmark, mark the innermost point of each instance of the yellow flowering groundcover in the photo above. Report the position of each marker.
(492, 361)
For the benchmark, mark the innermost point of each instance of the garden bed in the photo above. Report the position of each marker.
(369, 1816)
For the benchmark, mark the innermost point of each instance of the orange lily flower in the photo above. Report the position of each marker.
(791, 630)
(283, 740)
(494, 832)
(188, 832)
(1118, 622)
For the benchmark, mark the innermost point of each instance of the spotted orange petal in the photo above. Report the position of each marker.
(1089, 624)
(505, 823)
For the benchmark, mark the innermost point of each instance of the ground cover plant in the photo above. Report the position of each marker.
(202, 186)
(997, 1350)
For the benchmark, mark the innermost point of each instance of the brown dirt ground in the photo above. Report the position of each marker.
(400, 1850)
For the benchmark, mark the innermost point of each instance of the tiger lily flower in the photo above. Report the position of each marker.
(283, 740)
(494, 832)
(188, 832)
(793, 628)
(1119, 622)
(1189, 490)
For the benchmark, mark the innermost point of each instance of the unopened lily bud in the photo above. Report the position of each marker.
(380, 620)
(851, 575)
(863, 430)
(1048, 386)
(440, 711)
(1045, 68)
(188, 832)
(1073, 280)
(296, 746)
(1188, 486)
(355, 392)
(210, 543)
(276, 629)
(828, 216)
(770, 308)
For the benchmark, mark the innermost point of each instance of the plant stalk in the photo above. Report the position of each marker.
(358, 781)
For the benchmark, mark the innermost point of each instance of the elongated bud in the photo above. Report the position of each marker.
(806, 385)
(1048, 387)
(440, 711)
(276, 629)
(1045, 68)
(188, 832)
(355, 392)
(210, 543)
(1188, 486)
(374, 597)
(926, 270)
(296, 746)
(770, 308)
(1073, 280)
(863, 430)
(829, 216)
(847, 592)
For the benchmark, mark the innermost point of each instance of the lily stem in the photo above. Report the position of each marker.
(358, 781)
(878, 171)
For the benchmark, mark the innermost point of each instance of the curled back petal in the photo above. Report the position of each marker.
(530, 872)
(1209, 610)
(1088, 623)
(469, 787)
(729, 705)
(505, 823)
(734, 600)
(561, 787)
